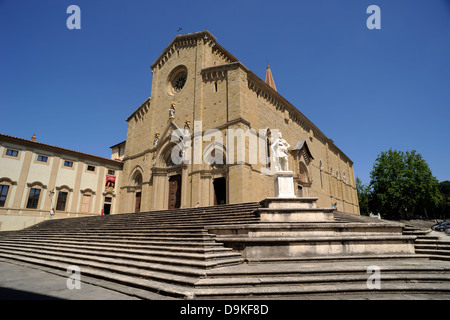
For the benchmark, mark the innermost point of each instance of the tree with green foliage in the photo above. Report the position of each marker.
(403, 186)
(363, 197)
(444, 210)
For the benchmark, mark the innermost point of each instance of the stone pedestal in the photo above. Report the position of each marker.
(293, 210)
(287, 207)
(284, 184)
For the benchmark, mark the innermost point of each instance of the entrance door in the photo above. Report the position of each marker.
(175, 192)
(106, 209)
(220, 191)
(137, 206)
(107, 206)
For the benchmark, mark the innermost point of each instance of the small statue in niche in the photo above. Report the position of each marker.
(156, 140)
(187, 127)
(172, 112)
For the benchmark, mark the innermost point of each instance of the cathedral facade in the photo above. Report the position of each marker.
(205, 137)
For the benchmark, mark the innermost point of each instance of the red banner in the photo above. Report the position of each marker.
(110, 183)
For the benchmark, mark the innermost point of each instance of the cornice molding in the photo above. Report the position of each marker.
(141, 110)
(73, 155)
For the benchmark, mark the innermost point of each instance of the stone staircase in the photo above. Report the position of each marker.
(338, 277)
(429, 244)
(188, 253)
(166, 250)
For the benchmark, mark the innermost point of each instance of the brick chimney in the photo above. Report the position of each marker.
(33, 138)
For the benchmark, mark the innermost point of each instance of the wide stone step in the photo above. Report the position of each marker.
(180, 222)
(320, 267)
(122, 259)
(201, 244)
(100, 237)
(432, 246)
(416, 232)
(365, 238)
(199, 211)
(130, 246)
(142, 216)
(112, 264)
(119, 234)
(149, 223)
(193, 219)
(299, 290)
(442, 252)
(340, 258)
(119, 228)
(433, 241)
(314, 280)
(182, 274)
(225, 211)
(133, 254)
(156, 281)
(304, 229)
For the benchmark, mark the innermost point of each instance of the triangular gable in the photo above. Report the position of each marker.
(303, 149)
(167, 133)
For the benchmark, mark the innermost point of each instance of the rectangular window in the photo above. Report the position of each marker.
(68, 164)
(3, 193)
(42, 158)
(91, 168)
(111, 172)
(33, 198)
(108, 199)
(12, 153)
(86, 204)
(61, 203)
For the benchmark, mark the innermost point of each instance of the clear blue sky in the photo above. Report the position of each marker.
(368, 90)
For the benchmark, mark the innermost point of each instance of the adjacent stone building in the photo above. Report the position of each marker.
(35, 177)
(205, 102)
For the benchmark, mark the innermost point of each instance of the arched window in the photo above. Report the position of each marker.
(137, 179)
(303, 173)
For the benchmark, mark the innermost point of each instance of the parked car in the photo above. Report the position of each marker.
(434, 226)
(441, 226)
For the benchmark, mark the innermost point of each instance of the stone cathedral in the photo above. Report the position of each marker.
(203, 96)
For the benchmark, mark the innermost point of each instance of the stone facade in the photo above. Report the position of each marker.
(35, 177)
(198, 86)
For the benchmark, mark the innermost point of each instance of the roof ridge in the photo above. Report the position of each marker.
(56, 147)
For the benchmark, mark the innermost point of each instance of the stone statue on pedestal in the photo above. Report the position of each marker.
(280, 154)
